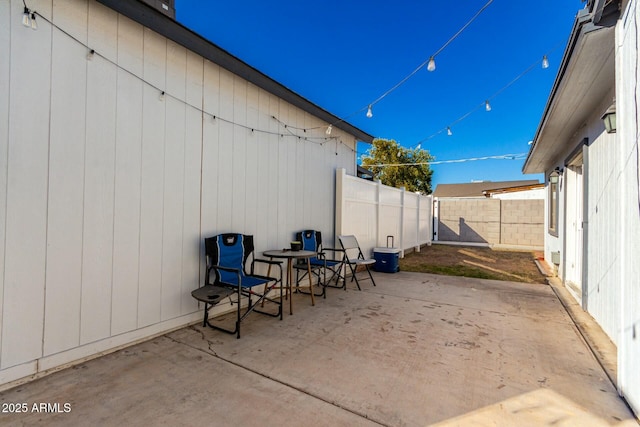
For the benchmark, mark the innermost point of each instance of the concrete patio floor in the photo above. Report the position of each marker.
(416, 350)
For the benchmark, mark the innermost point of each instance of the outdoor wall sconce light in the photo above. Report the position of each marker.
(555, 176)
(609, 119)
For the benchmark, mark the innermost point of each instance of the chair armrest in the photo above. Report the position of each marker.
(333, 249)
(229, 269)
(322, 255)
(237, 271)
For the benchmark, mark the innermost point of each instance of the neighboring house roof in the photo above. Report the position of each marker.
(477, 189)
(585, 77)
(155, 20)
(490, 192)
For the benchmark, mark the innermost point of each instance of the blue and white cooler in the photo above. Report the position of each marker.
(387, 259)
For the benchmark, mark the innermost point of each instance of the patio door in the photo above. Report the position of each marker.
(574, 224)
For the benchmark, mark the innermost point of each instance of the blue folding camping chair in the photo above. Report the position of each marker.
(312, 241)
(226, 277)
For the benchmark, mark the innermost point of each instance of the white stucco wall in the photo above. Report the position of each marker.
(107, 190)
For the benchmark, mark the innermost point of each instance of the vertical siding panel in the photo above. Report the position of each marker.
(152, 184)
(224, 162)
(627, 75)
(173, 182)
(173, 209)
(253, 187)
(128, 161)
(97, 259)
(272, 170)
(264, 177)
(322, 206)
(6, 22)
(26, 211)
(285, 210)
(239, 154)
(191, 226)
(192, 184)
(302, 172)
(210, 155)
(66, 184)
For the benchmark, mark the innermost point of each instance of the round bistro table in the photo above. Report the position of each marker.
(290, 255)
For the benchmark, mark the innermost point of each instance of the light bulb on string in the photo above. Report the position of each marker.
(328, 131)
(162, 96)
(369, 112)
(487, 106)
(26, 20)
(34, 24)
(545, 62)
(449, 131)
(90, 54)
(432, 64)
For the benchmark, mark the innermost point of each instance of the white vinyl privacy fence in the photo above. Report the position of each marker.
(372, 212)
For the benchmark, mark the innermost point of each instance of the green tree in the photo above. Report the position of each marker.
(397, 166)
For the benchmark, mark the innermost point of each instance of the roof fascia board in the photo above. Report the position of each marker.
(173, 30)
(583, 24)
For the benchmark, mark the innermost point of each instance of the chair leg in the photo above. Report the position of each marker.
(239, 318)
(353, 275)
(370, 276)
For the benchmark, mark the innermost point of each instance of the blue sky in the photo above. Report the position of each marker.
(343, 55)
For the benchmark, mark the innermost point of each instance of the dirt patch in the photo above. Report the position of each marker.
(479, 262)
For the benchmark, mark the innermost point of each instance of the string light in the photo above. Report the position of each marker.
(34, 23)
(369, 112)
(328, 131)
(29, 17)
(26, 20)
(545, 62)
(90, 54)
(449, 131)
(487, 106)
(432, 64)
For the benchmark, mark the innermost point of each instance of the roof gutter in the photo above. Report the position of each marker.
(173, 30)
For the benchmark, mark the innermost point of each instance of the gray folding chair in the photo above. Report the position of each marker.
(354, 258)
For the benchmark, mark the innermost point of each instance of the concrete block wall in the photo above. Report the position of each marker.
(469, 220)
(492, 221)
(522, 222)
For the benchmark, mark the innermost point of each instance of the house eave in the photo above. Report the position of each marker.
(173, 30)
(585, 77)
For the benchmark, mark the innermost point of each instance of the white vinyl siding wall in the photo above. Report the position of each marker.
(628, 116)
(106, 191)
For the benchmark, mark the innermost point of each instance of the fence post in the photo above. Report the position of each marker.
(340, 174)
(417, 247)
(378, 210)
(402, 200)
(435, 218)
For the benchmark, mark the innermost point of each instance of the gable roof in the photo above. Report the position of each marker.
(162, 24)
(477, 189)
